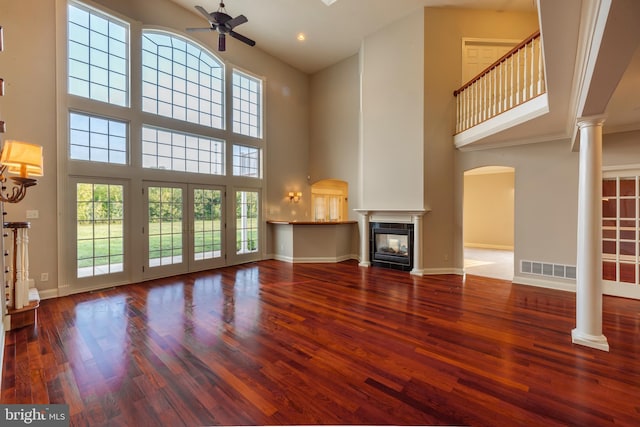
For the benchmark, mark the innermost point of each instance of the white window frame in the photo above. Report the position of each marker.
(70, 170)
(243, 101)
(92, 67)
(93, 149)
(177, 86)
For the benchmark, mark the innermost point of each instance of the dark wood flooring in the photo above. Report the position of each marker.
(276, 343)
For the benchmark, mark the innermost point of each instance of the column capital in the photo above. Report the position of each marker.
(590, 121)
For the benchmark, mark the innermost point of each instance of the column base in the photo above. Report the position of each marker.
(593, 341)
(364, 264)
(417, 272)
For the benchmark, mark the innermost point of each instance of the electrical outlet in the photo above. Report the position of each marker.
(33, 214)
(44, 277)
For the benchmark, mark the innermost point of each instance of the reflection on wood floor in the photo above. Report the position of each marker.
(278, 343)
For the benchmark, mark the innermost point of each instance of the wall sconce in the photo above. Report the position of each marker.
(23, 159)
(294, 197)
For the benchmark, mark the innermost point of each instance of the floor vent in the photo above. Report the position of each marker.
(548, 269)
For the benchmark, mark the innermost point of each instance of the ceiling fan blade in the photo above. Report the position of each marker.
(199, 29)
(232, 23)
(242, 38)
(222, 42)
(204, 12)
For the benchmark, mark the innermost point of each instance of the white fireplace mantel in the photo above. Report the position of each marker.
(409, 216)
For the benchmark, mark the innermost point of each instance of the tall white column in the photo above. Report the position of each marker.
(588, 331)
(417, 245)
(364, 240)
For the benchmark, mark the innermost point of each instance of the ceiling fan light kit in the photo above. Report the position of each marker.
(223, 24)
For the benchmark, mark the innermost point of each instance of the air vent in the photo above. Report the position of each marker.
(548, 269)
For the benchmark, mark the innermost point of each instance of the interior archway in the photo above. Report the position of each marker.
(488, 221)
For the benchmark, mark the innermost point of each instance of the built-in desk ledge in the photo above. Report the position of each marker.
(310, 222)
(313, 241)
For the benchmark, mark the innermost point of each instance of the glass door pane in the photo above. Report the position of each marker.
(207, 227)
(245, 230)
(165, 229)
(99, 229)
(246, 222)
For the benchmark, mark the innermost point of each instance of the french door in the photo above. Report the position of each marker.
(245, 231)
(184, 228)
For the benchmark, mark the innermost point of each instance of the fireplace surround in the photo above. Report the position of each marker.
(411, 217)
(391, 245)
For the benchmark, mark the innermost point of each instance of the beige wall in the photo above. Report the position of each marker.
(546, 198)
(621, 149)
(392, 134)
(334, 127)
(444, 30)
(488, 210)
(434, 174)
(28, 66)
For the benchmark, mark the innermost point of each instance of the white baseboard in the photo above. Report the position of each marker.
(282, 258)
(624, 290)
(488, 246)
(48, 293)
(448, 270)
(544, 283)
(313, 260)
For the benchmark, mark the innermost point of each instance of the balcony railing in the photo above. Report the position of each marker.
(514, 79)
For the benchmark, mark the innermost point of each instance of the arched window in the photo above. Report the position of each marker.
(181, 80)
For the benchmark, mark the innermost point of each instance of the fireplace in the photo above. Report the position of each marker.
(391, 245)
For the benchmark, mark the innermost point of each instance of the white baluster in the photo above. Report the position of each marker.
(467, 103)
(511, 98)
(25, 266)
(20, 270)
(18, 299)
(476, 110)
(20, 264)
(533, 68)
(541, 84)
(458, 113)
(500, 71)
(518, 78)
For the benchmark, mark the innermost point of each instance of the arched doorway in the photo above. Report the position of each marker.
(488, 221)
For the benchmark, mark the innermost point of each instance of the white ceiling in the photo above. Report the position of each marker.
(333, 32)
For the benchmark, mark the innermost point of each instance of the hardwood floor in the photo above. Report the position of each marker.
(276, 343)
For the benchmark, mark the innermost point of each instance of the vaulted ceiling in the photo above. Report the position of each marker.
(334, 32)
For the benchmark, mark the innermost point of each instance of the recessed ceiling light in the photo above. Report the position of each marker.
(301, 37)
(329, 2)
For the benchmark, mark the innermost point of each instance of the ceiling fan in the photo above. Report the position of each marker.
(224, 24)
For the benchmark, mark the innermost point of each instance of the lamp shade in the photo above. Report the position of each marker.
(22, 158)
